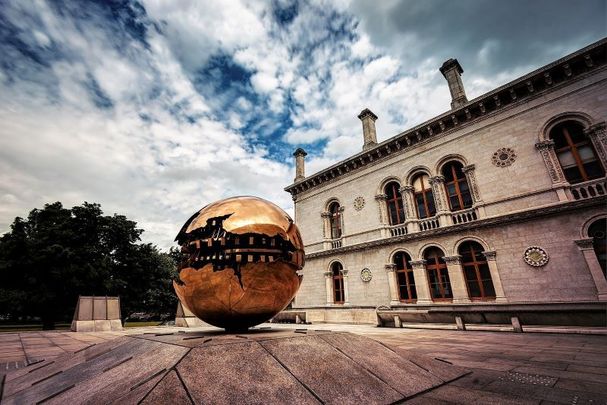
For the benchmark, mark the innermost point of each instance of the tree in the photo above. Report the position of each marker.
(56, 254)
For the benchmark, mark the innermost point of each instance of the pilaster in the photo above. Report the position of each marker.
(585, 246)
(598, 137)
(392, 283)
(329, 287)
(559, 183)
(500, 296)
(457, 279)
(421, 282)
(344, 272)
(440, 200)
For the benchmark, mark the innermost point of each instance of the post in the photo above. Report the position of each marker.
(329, 287)
(391, 272)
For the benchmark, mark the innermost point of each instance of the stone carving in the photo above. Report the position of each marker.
(535, 256)
(359, 203)
(457, 259)
(469, 172)
(365, 275)
(546, 149)
(503, 157)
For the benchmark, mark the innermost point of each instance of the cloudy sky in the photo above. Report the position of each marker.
(155, 108)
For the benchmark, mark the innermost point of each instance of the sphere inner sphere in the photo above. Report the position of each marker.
(241, 257)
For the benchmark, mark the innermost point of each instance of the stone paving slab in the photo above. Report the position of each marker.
(578, 362)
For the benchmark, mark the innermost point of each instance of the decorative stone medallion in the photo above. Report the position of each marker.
(503, 157)
(535, 256)
(359, 203)
(365, 275)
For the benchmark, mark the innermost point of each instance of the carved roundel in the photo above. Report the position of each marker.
(503, 157)
(359, 203)
(365, 275)
(535, 256)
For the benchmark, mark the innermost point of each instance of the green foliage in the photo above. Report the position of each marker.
(56, 254)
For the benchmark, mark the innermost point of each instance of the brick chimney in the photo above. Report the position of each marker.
(369, 135)
(452, 71)
(300, 172)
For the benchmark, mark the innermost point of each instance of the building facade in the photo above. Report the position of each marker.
(500, 201)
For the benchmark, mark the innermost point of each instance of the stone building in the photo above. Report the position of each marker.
(496, 205)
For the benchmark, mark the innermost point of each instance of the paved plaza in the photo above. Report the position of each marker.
(527, 368)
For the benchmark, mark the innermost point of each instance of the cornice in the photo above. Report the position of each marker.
(482, 223)
(551, 77)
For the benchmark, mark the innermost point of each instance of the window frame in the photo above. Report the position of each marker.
(573, 147)
(424, 193)
(477, 270)
(335, 220)
(338, 281)
(456, 182)
(407, 271)
(395, 198)
(438, 266)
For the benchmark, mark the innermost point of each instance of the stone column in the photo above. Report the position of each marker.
(392, 283)
(457, 279)
(585, 246)
(500, 296)
(598, 137)
(326, 224)
(440, 200)
(383, 214)
(344, 272)
(421, 282)
(411, 220)
(477, 201)
(329, 287)
(559, 183)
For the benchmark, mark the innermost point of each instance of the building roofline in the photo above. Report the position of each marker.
(540, 81)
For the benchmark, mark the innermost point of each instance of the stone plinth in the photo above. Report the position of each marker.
(95, 314)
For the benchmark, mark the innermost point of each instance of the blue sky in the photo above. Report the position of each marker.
(155, 108)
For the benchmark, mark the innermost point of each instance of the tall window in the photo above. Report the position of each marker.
(338, 283)
(596, 231)
(404, 277)
(396, 210)
(476, 270)
(438, 277)
(422, 193)
(575, 153)
(335, 220)
(456, 186)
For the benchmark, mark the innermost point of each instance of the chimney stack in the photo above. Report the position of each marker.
(299, 154)
(369, 135)
(452, 71)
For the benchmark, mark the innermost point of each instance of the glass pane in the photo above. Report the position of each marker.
(488, 287)
(421, 208)
(451, 189)
(586, 153)
(573, 175)
(470, 272)
(576, 132)
(467, 199)
(559, 139)
(411, 278)
(454, 201)
(474, 289)
(594, 170)
(430, 199)
(566, 159)
(484, 270)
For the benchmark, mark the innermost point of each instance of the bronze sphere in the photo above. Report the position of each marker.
(241, 257)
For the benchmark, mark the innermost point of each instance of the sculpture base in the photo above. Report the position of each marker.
(261, 366)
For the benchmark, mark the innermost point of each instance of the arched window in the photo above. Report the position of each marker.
(456, 186)
(396, 210)
(597, 231)
(438, 277)
(404, 277)
(338, 283)
(422, 193)
(575, 152)
(335, 220)
(476, 271)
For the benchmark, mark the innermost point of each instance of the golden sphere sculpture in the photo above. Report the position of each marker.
(241, 257)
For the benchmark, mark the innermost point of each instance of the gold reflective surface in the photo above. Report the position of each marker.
(242, 257)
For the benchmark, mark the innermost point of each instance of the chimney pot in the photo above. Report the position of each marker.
(369, 134)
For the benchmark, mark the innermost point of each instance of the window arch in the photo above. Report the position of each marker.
(394, 202)
(597, 231)
(404, 277)
(338, 283)
(575, 152)
(438, 276)
(335, 220)
(456, 186)
(476, 270)
(424, 199)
